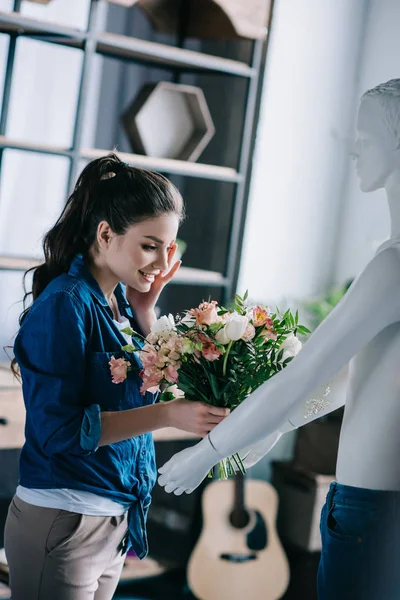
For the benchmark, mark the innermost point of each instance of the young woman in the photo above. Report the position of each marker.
(87, 467)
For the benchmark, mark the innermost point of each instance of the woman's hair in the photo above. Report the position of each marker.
(107, 190)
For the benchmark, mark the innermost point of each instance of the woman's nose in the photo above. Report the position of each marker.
(161, 261)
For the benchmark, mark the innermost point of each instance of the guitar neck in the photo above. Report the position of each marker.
(239, 516)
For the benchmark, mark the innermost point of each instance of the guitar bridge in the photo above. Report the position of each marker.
(238, 558)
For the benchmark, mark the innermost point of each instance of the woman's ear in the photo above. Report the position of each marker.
(104, 234)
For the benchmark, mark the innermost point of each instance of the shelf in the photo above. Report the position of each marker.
(168, 165)
(185, 275)
(164, 165)
(120, 46)
(13, 22)
(6, 142)
(190, 276)
(17, 263)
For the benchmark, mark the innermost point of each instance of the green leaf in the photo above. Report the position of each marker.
(303, 330)
(129, 348)
(128, 330)
(214, 385)
(287, 361)
(166, 396)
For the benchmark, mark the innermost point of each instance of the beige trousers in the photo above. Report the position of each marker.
(59, 555)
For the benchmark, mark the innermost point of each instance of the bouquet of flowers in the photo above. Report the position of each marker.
(215, 355)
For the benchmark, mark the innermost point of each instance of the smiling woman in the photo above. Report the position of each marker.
(87, 466)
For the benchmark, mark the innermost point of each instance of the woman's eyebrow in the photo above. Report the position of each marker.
(155, 239)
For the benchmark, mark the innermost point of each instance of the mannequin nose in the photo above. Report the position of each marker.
(355, 152)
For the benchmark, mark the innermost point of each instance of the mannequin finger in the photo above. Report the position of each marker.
(164, 479)
(170, 487)
(179, 491)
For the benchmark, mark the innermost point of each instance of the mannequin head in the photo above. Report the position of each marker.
(377, 149)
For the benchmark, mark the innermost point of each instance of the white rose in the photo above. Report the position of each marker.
(291, 346)
(236, 326)
(163, 324)
(177, 393)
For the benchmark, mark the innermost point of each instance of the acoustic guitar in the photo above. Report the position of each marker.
(238, 555)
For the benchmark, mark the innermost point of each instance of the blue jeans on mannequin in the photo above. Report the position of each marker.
(360, 557)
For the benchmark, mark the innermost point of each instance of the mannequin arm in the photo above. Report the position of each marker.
(301, 415)
(371, 304)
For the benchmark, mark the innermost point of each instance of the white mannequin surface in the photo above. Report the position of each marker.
(364, 329)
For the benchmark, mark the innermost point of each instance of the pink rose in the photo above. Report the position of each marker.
(249, 333)
(171, 374)
(260, 316)
(119, 369)
(206, 313)
(211, 352)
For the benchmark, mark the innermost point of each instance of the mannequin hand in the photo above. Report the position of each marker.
(256, 452)
(186, 470)
(143, 303)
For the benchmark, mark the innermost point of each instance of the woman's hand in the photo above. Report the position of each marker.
(143, 303)
(195, 417)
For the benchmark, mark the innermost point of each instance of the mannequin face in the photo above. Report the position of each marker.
(375, 149)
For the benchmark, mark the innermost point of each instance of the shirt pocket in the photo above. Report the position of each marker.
(101, 390)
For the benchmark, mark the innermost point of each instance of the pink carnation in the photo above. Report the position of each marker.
(171, 373)
(119, 369)
(211, 352)
(206, 313)
(148, 356)
(151, 377)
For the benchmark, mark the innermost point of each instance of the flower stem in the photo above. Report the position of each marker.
(226, 358)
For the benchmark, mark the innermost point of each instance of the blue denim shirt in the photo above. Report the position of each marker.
(63, 349)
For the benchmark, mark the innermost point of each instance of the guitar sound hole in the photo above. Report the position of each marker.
(239, 519)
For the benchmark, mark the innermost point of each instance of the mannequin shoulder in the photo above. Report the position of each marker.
(382, 273)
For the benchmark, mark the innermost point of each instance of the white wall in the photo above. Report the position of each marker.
(365, 217)
(302, 148)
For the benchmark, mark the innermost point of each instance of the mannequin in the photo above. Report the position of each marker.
(364, 329)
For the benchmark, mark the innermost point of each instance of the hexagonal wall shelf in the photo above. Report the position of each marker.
(220, 19)
(169, 120)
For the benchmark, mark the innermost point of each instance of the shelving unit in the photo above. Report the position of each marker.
(93, 41)
(121, 46)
